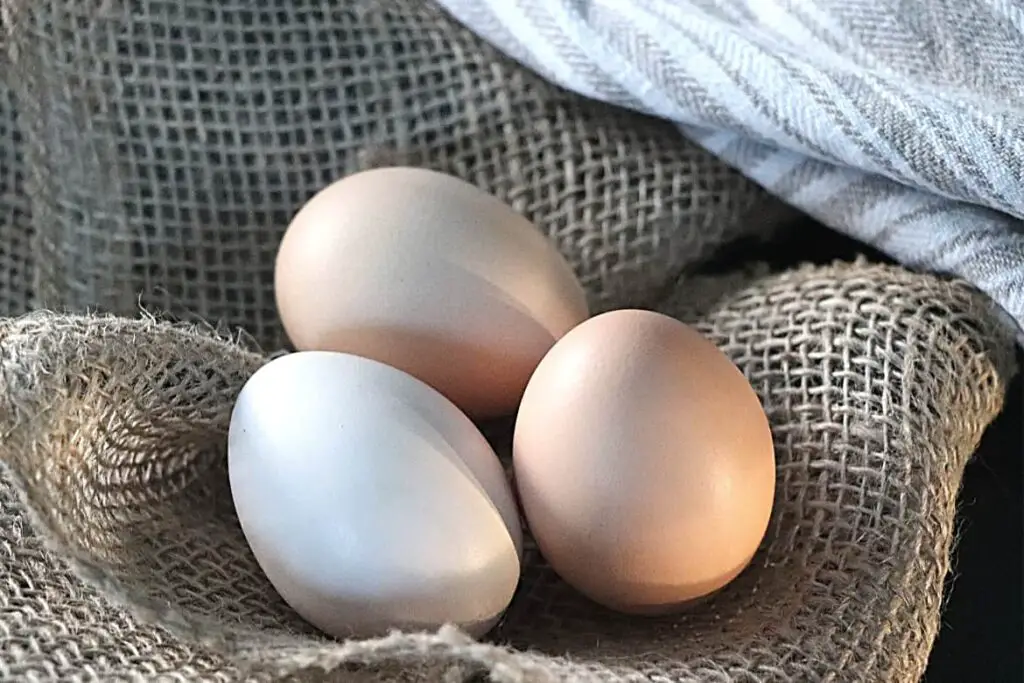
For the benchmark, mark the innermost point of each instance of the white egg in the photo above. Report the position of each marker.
(370, 501)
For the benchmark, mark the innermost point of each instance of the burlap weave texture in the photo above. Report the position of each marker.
(167, 145)
(877, 383)
(15, 228)
(154, 151)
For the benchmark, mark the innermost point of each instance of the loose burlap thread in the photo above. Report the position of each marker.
(153, 152)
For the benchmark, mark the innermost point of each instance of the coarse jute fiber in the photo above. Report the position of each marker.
(877, 383)
(153, 152)
(166, 146)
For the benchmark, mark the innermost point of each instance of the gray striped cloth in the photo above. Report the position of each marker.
(897, 122)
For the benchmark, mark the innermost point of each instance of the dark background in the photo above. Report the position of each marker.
(982, 634)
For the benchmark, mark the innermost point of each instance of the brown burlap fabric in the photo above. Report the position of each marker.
(15, 228)
(156, 150)
(168, 144)
(878, 384)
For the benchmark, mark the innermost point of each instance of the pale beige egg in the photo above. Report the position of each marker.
(429, 274)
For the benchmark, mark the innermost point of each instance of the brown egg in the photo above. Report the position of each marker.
(430, 275)
(644, 462)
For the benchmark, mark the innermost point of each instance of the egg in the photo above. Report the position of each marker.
(644, 463)
(369, 500)
(430, 275)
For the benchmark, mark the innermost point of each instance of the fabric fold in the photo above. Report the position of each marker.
(898, 123)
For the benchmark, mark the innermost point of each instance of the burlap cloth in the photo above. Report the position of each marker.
(153, 152)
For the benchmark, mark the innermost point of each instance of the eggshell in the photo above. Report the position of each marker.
(370, 501)
(428, 274)
(644, 462)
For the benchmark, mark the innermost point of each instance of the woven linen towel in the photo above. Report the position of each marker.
(898, 122)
